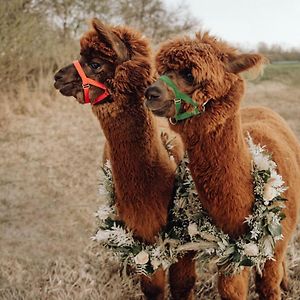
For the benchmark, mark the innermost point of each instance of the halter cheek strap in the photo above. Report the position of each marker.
(86, 84)
(179, 97)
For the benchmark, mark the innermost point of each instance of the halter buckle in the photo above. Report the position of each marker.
(86, 85)
(203, 105)
(172, 121)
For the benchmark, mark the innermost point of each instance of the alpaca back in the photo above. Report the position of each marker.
(267, 128)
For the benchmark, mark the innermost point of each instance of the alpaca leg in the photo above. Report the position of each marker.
(234, 287)
(285, 279)
(182, 278)
(273, 275)
(154, 287)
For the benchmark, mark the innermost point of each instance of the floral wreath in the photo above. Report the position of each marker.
(189, 227)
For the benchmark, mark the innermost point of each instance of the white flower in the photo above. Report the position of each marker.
(101, 235)
(107, 164)
(165, 264)
(248, 219)
(155, 263)
(103, 212)
(276, 179)
(141, 258)
(120, 236)
(209, 251)
(270, 192)
(251, 249)
(278, 237)
(268, 246)
(261, 161)
(192, 229)
(102, 190)
(254, 232)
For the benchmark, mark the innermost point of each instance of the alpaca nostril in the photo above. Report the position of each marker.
(58, 76)
(153, 93)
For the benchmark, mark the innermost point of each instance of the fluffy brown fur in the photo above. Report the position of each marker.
(220, 162)
(142, 171)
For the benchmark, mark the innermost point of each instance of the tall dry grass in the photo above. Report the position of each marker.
(49, 174)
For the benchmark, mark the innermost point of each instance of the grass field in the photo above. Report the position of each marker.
(49, 174)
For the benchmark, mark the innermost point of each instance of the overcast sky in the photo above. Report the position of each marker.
(248, 22)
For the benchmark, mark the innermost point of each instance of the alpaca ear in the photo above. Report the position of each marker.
(244, 62)
(111, 40)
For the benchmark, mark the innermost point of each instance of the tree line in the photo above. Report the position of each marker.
(37, 36)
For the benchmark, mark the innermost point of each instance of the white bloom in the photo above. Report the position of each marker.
(209, 251)
(121, 237)
(192, 229)
(101, 235)
(251, 249)
(107, 164)
(278, 237)
(155, 263)
(141, 258)
(276, 179)
(102, 190)
(270, 192)
(268, 247)
(254, 232)
(261, 161)
(165, 264)
(248, 219)
(103, 212)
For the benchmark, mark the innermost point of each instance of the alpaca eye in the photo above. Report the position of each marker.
(187, 75)
(94, 66)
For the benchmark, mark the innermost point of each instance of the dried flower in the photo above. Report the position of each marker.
(251, 249)
(101, 235)
(103, 212)
(141, 258)
(270, 191)
(192, 229)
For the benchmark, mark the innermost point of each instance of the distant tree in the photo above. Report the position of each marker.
(39, 35)
(154, 19)
(151, 17)
(28, 44)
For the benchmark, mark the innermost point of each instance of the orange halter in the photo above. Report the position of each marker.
(87, 82)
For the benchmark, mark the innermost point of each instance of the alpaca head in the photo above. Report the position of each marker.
(204, 69)
(105, 53)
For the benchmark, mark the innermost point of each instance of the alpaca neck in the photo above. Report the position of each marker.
(142, 171)
(220, 164)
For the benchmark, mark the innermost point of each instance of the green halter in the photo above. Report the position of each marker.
(179, 96)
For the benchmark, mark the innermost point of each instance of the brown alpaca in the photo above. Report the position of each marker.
(208, 70)
(142, 171)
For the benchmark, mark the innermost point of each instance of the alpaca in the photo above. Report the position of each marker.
(142, 172)
(208, 71)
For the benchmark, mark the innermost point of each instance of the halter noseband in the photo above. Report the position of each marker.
(87, 82)
(179, 97)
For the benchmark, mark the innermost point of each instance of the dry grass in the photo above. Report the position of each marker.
(50, 156)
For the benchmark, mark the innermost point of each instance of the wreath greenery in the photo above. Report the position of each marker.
(190, 228)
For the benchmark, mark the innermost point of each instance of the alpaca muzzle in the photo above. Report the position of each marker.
(86, 84)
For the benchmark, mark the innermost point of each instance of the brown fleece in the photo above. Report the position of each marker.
(220, 161)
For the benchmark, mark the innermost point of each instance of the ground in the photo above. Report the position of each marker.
(49, 175)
